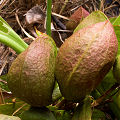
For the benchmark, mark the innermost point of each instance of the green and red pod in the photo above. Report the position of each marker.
(31, 75)
(84, 59)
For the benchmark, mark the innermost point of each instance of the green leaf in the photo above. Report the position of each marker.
(56, 93)
(116, 99)
(116, 21)
(98, 115)
(115, 105)
(36, 113)
(93, 18)
(4, 87)
(3, 77)
(117, 32)
(62, 115)
(115, 109)
(112, 19)
(116, 24)
(95, 93)
(10, 32)
(10, 108)
(9, 37)
(2, 84)
(83, 112)
(107, 82)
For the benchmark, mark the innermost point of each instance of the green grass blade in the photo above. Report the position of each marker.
(9, 37)
(11, 43)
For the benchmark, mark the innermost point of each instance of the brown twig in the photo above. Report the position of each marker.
(61, 103)
(19, 109)
(94, 5)
(63, 7)
(3, 3)
(1, 96)
(100, 99)
(4, 64)
(18, 21)
(102, 5)
(110, 7)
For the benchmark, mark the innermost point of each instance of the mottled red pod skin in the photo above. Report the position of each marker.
(31, 75)
(84, 59)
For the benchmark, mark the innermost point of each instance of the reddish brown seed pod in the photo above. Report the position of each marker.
(31, 75)
(84, 59)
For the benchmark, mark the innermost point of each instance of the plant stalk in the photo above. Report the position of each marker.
(48, 21)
